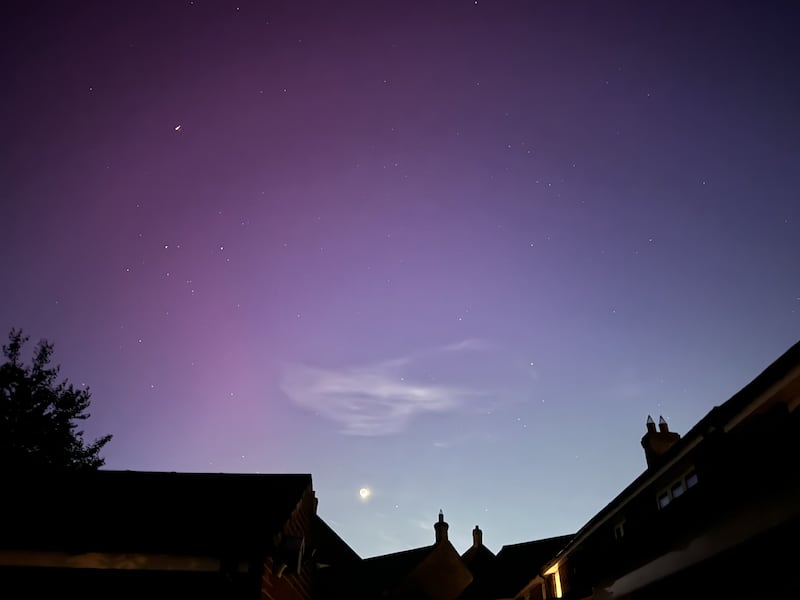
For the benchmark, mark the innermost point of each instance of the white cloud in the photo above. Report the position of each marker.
(370, 400)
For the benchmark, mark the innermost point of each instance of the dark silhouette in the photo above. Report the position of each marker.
(38, 414)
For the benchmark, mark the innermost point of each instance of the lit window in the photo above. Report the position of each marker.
(691, 480)
(555, 580)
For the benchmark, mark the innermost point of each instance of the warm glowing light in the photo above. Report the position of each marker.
(556, 578)
(364, 493)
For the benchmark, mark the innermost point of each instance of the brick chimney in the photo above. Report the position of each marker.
(441, 529)
(477, 537)
(656, 443)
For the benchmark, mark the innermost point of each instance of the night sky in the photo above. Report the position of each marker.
(453, 252)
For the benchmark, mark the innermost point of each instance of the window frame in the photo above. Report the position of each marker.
(666, 495)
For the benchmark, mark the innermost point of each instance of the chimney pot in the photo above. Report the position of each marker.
(662, 425)
(651, 425)
(477, 537)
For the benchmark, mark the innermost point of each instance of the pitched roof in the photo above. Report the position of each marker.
(478, 558)
(389, 569)
(370, 577)
(519, 563)
(717, 418)
(513, 567)
(329, 548)
(139, 511)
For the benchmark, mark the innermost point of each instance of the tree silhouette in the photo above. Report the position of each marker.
(38, 414)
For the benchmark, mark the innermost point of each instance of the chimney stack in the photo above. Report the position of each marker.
(441, 529)
(656, 443)
(477, 537)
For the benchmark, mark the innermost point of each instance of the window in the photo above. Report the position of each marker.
(554, 581)
(619, 530)
(677, 489)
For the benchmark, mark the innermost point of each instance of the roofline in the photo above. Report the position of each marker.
(751, 396)
(337, 536)
(198, 473)
(541, 540)
(398, 553)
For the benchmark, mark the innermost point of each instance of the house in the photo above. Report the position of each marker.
(434, 572)
(133, 534)
(438, 572)
(715, 514)
(478, 558)
(513, 566)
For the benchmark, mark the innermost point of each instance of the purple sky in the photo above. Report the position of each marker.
(455, 252)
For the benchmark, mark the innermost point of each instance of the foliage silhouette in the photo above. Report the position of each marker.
(38, 414)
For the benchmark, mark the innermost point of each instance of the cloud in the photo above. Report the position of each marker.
(370, 400)
(365, 401)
